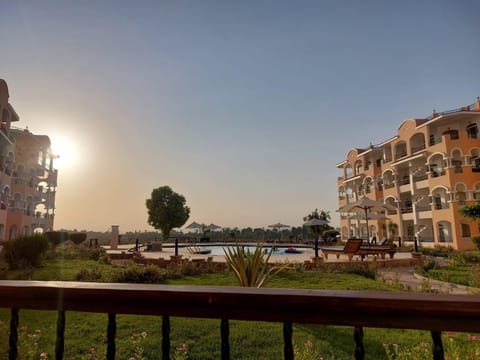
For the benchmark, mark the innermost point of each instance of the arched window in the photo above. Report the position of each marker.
(348, 171)
(358, 167)
(444, 232)
(400, 150)
(388, 179)
(457, 162)
(417, 142)
(439, 198)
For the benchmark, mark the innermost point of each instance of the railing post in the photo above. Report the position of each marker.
(165, 337)
(60, 342)
(225, 334)
(111, 333)
(13, 339)
(358, 337)
(287, 341)
(437, 346)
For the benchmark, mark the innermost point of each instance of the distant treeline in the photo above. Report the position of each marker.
(226, 234)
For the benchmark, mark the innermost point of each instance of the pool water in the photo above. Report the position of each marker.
(219, 250)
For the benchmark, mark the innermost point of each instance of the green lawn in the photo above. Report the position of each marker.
(249, 340)
(463, 269)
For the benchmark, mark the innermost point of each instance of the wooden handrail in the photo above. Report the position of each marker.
(433, 312)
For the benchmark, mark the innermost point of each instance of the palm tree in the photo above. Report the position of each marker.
(318, 230)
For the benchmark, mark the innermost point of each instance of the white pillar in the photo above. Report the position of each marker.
(114, 243)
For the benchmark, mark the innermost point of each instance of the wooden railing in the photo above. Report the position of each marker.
(433, 312)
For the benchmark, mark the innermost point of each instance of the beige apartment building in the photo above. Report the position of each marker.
(28, 179)
(428, 171)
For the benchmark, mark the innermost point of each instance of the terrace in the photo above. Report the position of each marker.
(357, 309)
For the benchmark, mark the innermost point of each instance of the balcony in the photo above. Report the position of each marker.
(358, 309)
(417, 148)
(406, 210)
(423, 207)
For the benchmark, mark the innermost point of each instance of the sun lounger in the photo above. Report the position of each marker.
(351, 248)
(378, 250)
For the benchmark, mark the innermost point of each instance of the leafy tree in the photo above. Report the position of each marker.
(167, 210)
(471, 211)
(317, 230)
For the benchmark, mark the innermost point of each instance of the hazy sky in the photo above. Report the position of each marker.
(244, 107)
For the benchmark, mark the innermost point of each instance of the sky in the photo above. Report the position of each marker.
(243, 107)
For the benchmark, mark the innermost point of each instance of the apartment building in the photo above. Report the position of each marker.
(428, 171)
(28, 179)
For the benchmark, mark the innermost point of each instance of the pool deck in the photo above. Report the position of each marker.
(306, 255)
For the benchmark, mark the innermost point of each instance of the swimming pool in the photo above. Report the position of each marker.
(278, 250)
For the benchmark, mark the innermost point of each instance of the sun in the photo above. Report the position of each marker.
(66, 151)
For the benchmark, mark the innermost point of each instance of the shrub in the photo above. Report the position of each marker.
(81, 252)
(367, 270)
(428, 265)
(149, 274)
(442, 251)
(25, 252)
(77, 238)
(476, 241)
(466, 257)
(91, 274)
(56, 237)
(251, 268)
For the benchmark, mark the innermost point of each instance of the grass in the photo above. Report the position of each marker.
(463, 269)
(85, 332)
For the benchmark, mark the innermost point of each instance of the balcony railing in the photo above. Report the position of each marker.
(423, 207)
(434, 312)
(404, 181)
(416, 148)
(420, 177)
(406, 210)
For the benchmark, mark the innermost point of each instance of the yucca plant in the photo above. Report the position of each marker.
(251, 268)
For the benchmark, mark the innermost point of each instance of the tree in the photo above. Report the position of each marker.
(318, 230)
(471, 211)
(167, 210)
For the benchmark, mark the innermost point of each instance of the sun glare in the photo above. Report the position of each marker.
(66, 150)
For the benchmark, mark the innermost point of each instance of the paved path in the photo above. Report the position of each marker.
(407, 277)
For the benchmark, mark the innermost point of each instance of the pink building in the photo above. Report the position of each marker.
(28, 179)
(427, 171)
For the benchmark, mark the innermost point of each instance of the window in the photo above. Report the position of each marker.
(472, 131)
(441, 233)
(453, 134)
(465, 230)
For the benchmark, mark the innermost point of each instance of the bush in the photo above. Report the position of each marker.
(428, 265)
(56, 237)
(80, 252)
(149, 274)
(366, 270)
(442, 251)
(77, 238)
(25, 252)
(476, 241)
(93, 274)
(466, 258)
